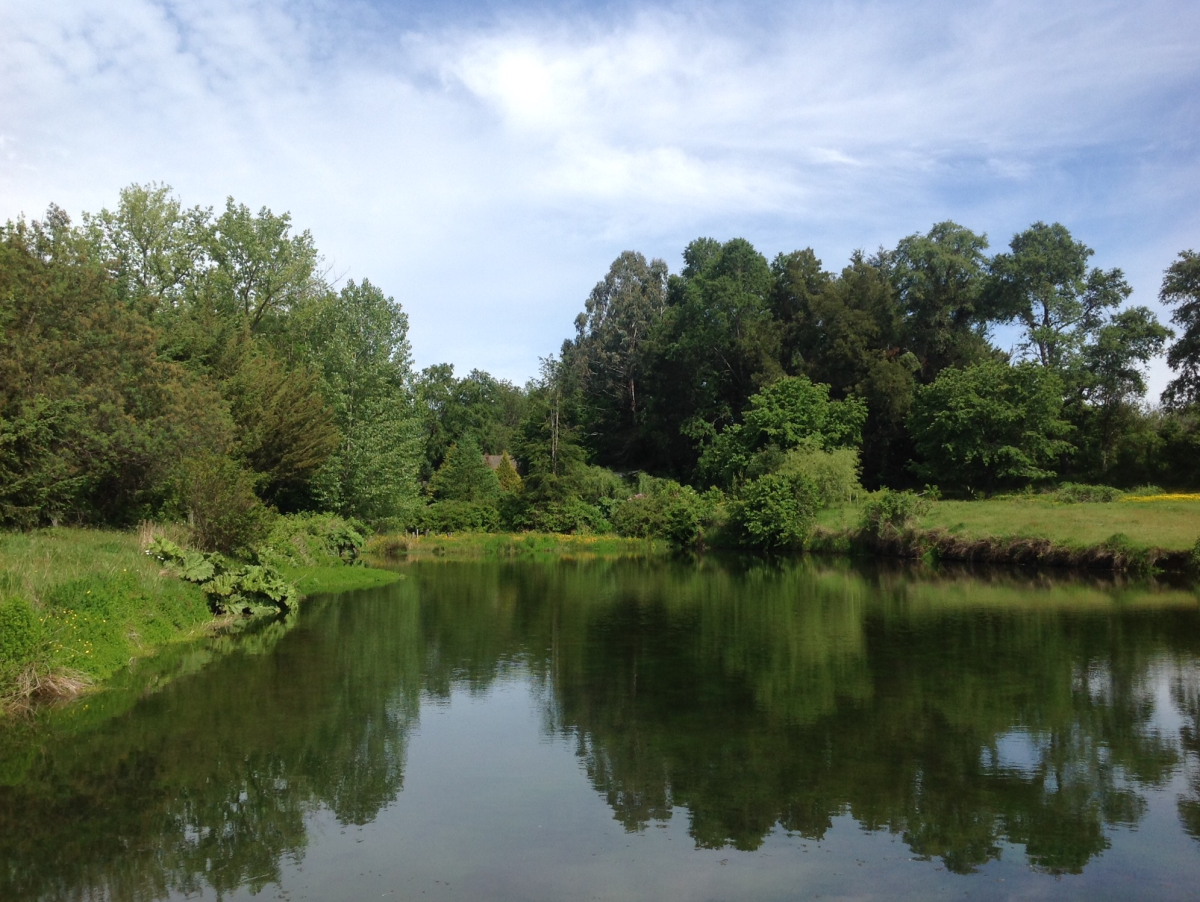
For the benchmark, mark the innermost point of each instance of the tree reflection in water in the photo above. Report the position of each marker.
(959, 711)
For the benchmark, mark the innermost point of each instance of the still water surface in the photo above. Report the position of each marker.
(626, 730)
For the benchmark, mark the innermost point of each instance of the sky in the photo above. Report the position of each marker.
(484, 162)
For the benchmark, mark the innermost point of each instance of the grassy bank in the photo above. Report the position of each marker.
(78, 605)
(529, 545)
(1111, 535)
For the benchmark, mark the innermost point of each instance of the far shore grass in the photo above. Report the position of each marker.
(77, 605)
(523, 545)
(1170, 525)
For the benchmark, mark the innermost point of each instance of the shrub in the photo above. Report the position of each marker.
(459, 516)
(313, 539)
(835, 473)
(507, 475)
(664, 509)
(569, 516)
(887, 510)
(777, 512)
(1076, 493)
(218, 496)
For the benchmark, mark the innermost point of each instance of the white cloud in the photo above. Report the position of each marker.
(486, 173)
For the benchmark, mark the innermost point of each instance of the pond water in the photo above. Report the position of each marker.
(627, 730)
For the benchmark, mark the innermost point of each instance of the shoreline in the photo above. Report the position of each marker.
(1116, 555)
(78, 607)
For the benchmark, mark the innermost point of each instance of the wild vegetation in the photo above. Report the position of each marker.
(76, 605)
(200, 367)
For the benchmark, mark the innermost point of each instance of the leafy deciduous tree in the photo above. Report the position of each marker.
(989, 425)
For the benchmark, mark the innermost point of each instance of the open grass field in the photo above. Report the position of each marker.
(1169, 524)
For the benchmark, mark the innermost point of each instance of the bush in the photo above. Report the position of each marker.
(218, 497)
(312, 540)
(228, 585)
(564, 517)
(886, 511)
(664, 509)
(1076, 493)
(459, 516)
(835, 473)
(777, 512)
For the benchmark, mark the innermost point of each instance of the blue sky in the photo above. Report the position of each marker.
(485, 162)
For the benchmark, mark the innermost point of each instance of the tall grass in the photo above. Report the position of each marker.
(76, 605)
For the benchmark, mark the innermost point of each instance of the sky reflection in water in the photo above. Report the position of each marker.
(629, 730)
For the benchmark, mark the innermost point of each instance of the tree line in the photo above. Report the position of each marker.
(183, 362)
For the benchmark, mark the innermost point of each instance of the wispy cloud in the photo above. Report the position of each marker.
(485, 168)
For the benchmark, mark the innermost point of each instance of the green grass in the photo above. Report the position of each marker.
(78, 605)
(1169, 525)
(528, 546)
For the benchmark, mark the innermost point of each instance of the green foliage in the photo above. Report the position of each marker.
(357, 341)
(459, 516)
(788, 414)
(1075, 493)
(479, 405)
(285, 429)
(227, 584)
(21, 636)
(990, 424)
(507, 476)
(307, 540)
(91, 415)
(776, 512)
(218, 497)
(939, 280)
(261, 270)
(1044, 284)
(664, 509)
(570, 516)
(1181, 290)
(613, 350)
(794, 411)
(835, 473)
(465, 476)
(889, 511)
(547, 442)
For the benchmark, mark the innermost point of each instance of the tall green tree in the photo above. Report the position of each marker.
(92, 418)
(156, 249)
(799, 281)
(1181, 289)
(259, 267)
(1044, 284)
(939, 280)
(548, 442)
(990, 425)
(611, 351)
(1110, 385)
(357, 340)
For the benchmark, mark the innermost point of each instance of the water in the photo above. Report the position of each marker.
(637, 730)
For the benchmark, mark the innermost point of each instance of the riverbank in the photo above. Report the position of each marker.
(524, 545)
(77, 605)
(1141, 535)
